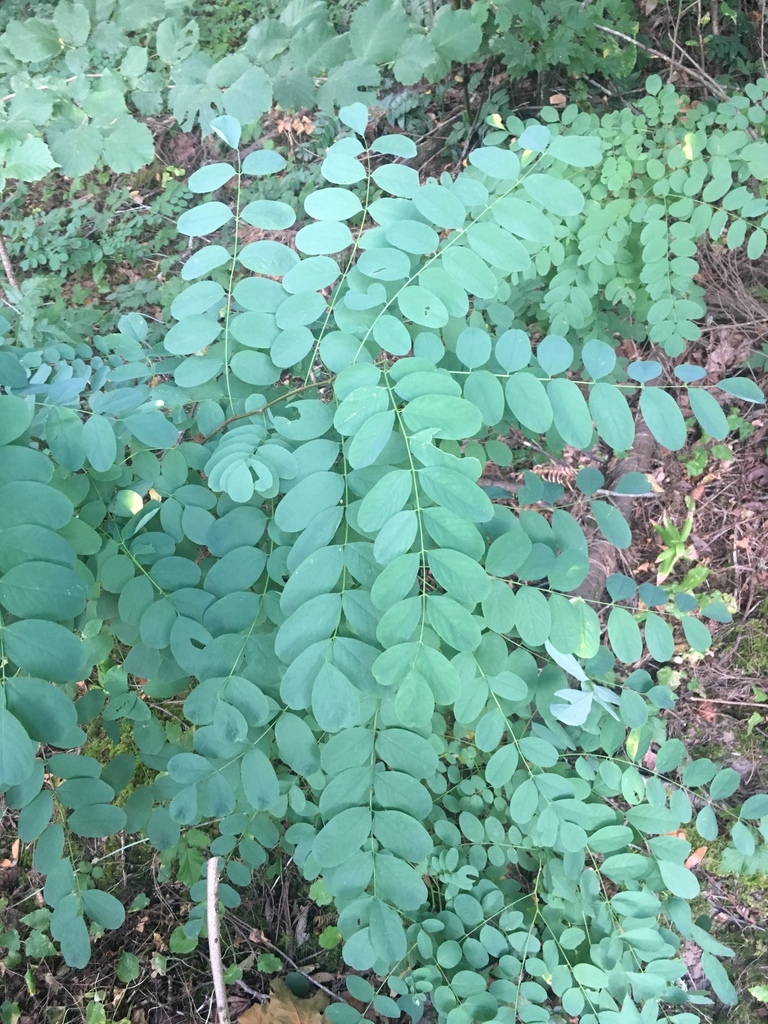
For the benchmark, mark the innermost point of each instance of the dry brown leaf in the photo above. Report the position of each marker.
(707, 711)
(558, 99)
(696, 858)
(286, 1008)
(15, 847)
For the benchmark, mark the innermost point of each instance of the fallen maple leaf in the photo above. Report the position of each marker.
(286, 1008)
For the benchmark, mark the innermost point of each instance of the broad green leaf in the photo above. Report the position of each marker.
(502, 766)
(45, 711)
(449, 417)
(263, 162)
(397, 179)
(743, 388)
(658, 637)
(473, 347)
(309, 497)
(498, 248)
(371, 439)
(611, 523)
(97, 820)
(376, 31)
(43, 590)
(45, 650)
(412, 236)
(385, 499)
(679, 880)
(454, 492)
(103, 908)
(335, 701)
(407, 751)
(259, 781)
(554, 354)
(211, 177)
(571, 415)
(17, 751)
(717, 976)
(523, 219)
(455, 34)
(69, 928)
(402, 835)
(439, 206)
(538, 751)
(496, 163)
(459, 576)
(508, 552)
(513, 350)
(29, 160)
(612, 416)
(99, 442)
(35, 816)
(624, 635)
(533, 620)
(15, 416)
(384, 264)
(323, 238)
(399, 883)
(342, 837)
(204, 219)
(599, 359)
(527, 398)
(422, 307)
(268, 214)
(334, 204)
(696, 633)
(555, 194)
(576, 150)
(469, 271)
(268, 257)
(663, 417)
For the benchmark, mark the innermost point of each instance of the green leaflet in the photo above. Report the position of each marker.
(528, 401)
(663, 417)
(17, 752)
(612, 416)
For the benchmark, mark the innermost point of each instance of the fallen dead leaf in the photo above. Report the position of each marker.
(707, 711)
(696, 858)
(15, 846)
(286, 1008)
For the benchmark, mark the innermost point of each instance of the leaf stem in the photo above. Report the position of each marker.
(268, 405)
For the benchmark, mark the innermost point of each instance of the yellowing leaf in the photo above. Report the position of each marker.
(286, 1008)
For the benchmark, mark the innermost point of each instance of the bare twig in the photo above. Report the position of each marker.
(261, 938)
(263, 408)
(214, 944)
(692, 68)
(7, 265)
(611, 95)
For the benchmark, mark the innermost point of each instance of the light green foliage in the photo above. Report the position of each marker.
(385, 674)
(79, 76)
(670, 175)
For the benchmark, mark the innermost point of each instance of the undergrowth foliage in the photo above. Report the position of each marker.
(272, 509)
